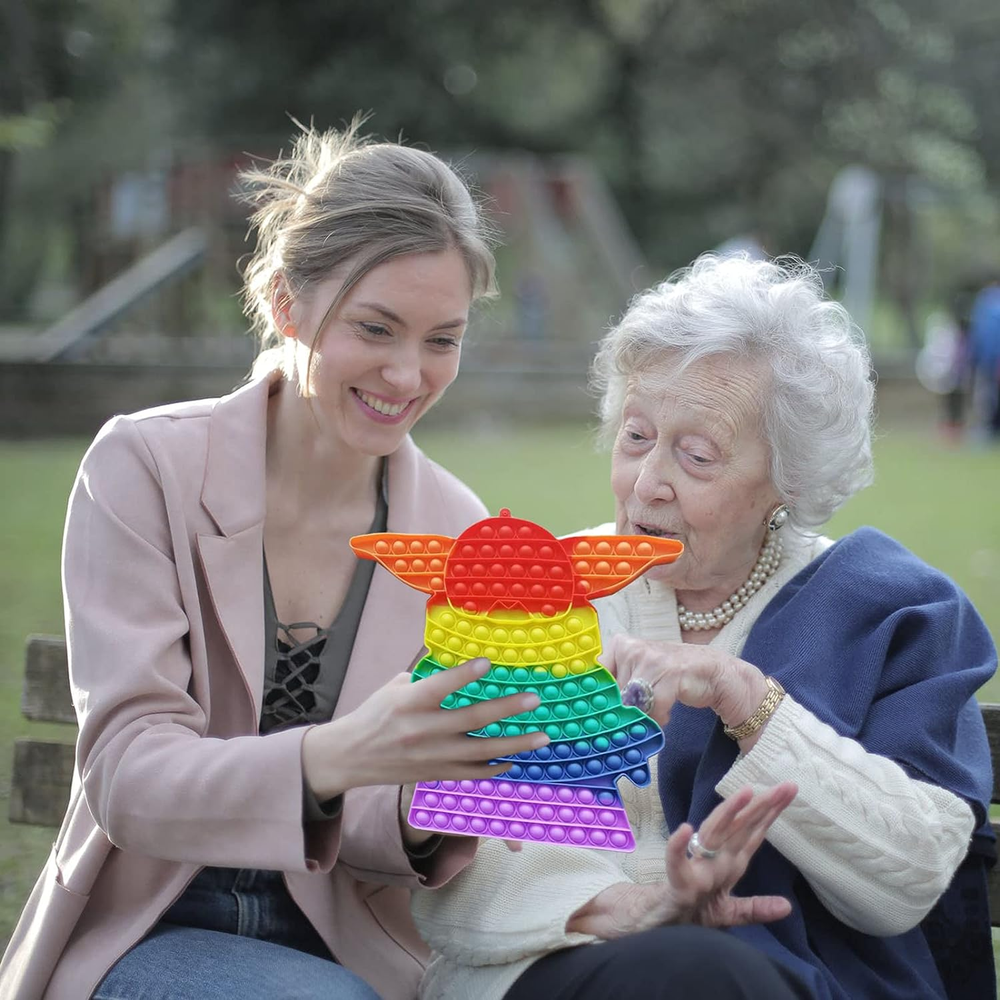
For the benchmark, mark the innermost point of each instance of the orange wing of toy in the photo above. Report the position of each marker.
(418, 560)
(603, 564)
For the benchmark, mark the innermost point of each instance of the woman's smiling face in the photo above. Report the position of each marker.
(690, 462)
(388, 352)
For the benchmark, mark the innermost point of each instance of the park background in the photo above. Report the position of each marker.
(614, 141)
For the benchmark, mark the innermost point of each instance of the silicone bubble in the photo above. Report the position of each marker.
(522, 811)
(509, 590)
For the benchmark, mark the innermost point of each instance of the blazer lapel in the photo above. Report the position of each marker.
(234, 570)
(234, 495)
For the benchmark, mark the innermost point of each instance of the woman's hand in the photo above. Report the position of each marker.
(697, 890)
(697, 676)
(400, 735)
(412, 837)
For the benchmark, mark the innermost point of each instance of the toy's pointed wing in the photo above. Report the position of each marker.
(418, 560)
(603, 564)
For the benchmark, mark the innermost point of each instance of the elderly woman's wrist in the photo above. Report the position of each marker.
(738, 699)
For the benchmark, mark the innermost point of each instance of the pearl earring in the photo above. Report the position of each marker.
(778, 516)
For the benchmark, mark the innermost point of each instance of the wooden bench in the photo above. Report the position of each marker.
(43, 770)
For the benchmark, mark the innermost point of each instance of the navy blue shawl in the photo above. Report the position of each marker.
(889, 652)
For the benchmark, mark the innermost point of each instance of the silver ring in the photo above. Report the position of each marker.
(695, 849)
(639, 694)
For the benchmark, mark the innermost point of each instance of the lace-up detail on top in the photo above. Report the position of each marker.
(291, 695)
(305, 664)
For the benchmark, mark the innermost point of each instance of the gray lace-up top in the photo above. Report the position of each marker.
(304, 664)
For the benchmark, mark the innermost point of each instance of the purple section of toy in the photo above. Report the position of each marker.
(540, 813)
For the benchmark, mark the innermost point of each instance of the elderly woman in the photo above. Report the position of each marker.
(739, 399)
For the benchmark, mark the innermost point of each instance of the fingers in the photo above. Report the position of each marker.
(722, 821)
(751, 825)
(433, 690)
(677, 845)
(472, 770)
(757, 828)
(435, 741)
(734, 830)
(495, 747)
(458, 770)
(480, 752)
(755, 910)
(626, 657)
(480, 715)
(438, 686)
(744, 818)
(690, 675)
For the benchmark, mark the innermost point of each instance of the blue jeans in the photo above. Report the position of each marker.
(235, 934)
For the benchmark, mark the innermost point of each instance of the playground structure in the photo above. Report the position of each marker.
(567, 256)
(168, 326)
(165, 323)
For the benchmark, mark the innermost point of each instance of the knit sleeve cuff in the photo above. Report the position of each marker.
(763, 764)
(877, 846)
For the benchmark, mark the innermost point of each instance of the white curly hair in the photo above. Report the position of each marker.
(817, 411)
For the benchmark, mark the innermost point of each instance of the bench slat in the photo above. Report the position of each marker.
(40, 782)
(45, 696)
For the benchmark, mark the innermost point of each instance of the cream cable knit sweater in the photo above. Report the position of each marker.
(877, 847)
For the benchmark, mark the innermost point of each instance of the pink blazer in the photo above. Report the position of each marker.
(162, 576)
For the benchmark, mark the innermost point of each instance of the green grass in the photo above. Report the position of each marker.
(944, 504)
(35, 479)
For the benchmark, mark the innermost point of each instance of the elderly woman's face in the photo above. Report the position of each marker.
(689, 462)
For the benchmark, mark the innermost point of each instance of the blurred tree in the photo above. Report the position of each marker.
(708, 118)
(74, 83)
(32, 78)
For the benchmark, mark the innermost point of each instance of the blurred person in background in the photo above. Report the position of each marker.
(984, 354)
(236, 824)
(739, 400)
(943, 365)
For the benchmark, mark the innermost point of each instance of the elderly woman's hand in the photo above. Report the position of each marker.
(697, 676)
(698, 889)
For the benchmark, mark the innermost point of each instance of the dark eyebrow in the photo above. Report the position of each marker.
(393, 318)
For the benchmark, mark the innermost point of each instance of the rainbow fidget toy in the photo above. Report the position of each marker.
(509, 590)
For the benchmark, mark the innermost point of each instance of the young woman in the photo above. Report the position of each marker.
(236, 827)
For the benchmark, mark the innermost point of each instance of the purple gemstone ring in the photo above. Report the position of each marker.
(639, 694)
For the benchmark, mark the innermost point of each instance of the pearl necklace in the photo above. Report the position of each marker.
(767, 562)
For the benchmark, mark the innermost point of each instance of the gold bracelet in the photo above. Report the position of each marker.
(767, 708)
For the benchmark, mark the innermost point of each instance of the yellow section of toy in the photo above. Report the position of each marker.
(568, 642)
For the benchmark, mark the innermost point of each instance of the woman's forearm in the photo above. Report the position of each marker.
(877, 846)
